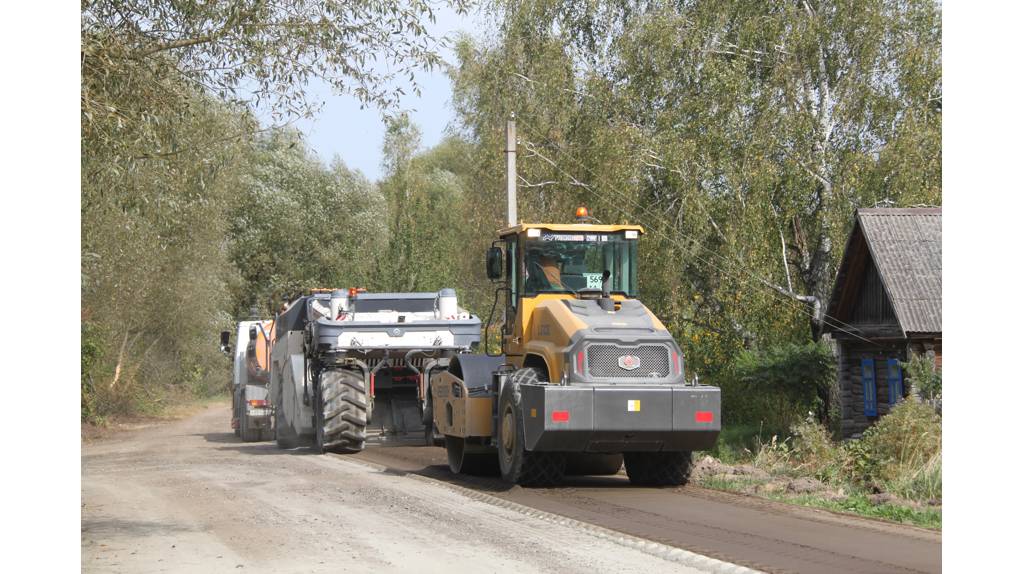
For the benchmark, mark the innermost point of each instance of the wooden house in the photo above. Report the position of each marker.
(885, 304)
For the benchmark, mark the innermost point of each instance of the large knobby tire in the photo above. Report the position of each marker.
(341, 413)
(518, 465)
(658, 468)
(462, 461)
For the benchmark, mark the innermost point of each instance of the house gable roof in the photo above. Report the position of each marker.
(906, 248)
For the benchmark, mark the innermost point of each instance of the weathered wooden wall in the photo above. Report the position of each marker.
(851, 384)
(853, 421)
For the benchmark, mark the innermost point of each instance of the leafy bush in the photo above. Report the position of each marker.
(901, 454)
(906, 446)
(774, 456)
(796, 377)
(924, 376)
(92, 352)
(815, 453)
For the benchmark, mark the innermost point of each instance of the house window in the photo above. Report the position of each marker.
(867, 378)
(895, 379)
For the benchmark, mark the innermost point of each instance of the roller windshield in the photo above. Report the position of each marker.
(566, 262)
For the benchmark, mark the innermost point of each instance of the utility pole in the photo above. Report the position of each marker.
(510, 155)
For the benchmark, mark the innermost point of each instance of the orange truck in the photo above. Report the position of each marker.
(252, 413)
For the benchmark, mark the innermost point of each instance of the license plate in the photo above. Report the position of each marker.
(259, 412)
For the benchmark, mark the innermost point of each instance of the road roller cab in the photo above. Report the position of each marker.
(587, 375)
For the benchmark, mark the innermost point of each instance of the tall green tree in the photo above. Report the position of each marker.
(426, 207)
(297, 224)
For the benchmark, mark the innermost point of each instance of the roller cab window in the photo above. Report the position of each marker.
(568, 262)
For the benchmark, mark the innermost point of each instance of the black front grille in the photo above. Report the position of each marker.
(652, 361)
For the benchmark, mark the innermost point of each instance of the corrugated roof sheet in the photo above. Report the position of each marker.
(906, 245)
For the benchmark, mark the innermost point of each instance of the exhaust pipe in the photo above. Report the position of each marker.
(510, 156)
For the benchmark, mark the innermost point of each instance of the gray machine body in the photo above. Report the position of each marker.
(379, 330)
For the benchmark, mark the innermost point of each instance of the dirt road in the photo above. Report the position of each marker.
(190, 497)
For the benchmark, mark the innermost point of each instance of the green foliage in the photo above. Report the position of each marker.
(260, 53)
(740, 439)
(91, 353)
(795, 378)
(296, 224)
(426, 210)
(924, 376)
(901, 454)
(906, 446)
(859, 503)
(815, 454)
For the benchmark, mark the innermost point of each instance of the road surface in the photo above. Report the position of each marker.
(190, 497)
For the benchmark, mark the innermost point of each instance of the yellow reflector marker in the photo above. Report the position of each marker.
(633, 406)
(533, 413)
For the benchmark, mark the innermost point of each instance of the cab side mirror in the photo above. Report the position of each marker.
(225, 342)
(494, 263)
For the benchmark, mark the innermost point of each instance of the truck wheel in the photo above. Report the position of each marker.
(658, 468)
(518, 465)
(341, 412)
(234, 413)
(248, 434)
(462, 462)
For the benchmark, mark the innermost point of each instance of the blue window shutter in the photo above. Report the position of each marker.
(895, 381)
(867, 377)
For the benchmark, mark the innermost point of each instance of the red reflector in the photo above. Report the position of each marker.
(704, 416)
(579, 362)
(675, 360)
(560, 416)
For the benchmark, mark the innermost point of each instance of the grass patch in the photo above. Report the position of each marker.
(729, 484)
(857, 504)
(112, 425)
(737, 441)
(860, 505)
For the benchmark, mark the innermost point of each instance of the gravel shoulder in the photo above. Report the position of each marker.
(189, 496)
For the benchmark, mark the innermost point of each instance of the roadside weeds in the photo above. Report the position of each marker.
(114, 426)
(894, 472)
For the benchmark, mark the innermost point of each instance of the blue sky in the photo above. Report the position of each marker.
(355, 135)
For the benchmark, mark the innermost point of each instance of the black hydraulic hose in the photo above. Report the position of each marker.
(490, 320)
